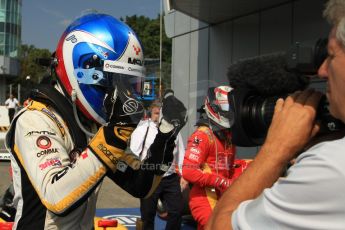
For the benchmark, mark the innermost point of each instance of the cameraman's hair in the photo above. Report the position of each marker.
(335, 15)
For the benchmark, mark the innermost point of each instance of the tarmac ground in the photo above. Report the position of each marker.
(110, 195)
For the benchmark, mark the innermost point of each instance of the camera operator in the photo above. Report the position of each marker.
(310, 196)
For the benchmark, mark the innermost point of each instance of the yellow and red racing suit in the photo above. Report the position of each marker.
(210, 165)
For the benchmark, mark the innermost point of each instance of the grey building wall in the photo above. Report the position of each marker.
(202, 53)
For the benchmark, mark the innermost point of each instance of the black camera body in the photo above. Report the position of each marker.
(253, 115)
(259, 83)
(306, 59)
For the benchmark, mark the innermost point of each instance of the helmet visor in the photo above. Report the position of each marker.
(131, 75)
(108, 75)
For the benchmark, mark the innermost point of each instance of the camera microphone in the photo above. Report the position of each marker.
(266, 75)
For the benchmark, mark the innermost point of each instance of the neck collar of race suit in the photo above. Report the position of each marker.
(50, 94)
(221, 132)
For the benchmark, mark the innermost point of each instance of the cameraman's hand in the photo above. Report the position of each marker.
(293, 124)
(174, 113)
(122, 107)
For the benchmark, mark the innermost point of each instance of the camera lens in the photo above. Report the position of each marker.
(257, 115)
(268, 110)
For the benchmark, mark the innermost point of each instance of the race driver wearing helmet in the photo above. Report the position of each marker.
(75, 130)
(209, 162)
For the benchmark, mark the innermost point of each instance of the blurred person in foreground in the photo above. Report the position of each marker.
(169, 189)
(75, 130)
(209, 163)
(311, 195)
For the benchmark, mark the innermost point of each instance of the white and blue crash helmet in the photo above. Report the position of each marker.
(92, 54)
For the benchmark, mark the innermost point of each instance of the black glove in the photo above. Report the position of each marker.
(122, 107)
(174, 113)
(142, 181)
(110, 142)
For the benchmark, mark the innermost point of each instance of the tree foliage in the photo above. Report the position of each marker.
(29, 67)
(28, 61)
(148, 31)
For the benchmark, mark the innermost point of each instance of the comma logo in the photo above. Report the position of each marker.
(108, 66)
(43, 142)
(47, 152)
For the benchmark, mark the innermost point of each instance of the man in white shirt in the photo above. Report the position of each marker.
(11, 104)
(169, 188)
